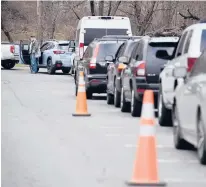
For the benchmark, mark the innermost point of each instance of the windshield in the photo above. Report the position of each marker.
(154, 47)
(107, 49)
(203, 41)
(99, 33)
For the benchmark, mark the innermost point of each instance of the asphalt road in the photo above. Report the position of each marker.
(44, 146)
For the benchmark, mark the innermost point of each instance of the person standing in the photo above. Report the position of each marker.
(33, 51)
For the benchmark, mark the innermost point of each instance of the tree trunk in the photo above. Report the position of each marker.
(110, 8)
(7, 34)
(116, 8)
(92, 8)
(101, 8)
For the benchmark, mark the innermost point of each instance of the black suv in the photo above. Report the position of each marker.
(95, 64)
(143, 69)
(114, 71)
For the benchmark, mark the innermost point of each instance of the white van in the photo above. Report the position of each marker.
(98, 26)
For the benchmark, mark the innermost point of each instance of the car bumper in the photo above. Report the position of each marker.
(97, 83)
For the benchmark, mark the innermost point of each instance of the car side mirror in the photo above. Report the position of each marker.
(124, 60)
(109, 59)
(180, 72)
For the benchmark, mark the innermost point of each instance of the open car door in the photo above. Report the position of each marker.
(24, 52)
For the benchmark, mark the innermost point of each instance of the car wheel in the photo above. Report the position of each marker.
(136, 106)
(8, 64)
(125, 106)
(50, 68)
(164, 114)
(201, 147)
(179, 142)
(89, 94)
(110, 99)
(117, 97)
(66, 70)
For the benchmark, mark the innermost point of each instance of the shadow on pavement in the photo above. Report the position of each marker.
(99, 97)
(57, 73)
(9, 69)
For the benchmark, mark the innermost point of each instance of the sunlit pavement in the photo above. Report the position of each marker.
(43, 145)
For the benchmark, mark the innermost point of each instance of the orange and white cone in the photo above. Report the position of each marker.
(81, 104)
(145, 167)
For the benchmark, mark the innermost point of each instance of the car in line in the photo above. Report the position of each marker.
(114, 71)
(189, 108)
(9, 54)
(55, 55)
(95, 61)
(143, 69)
(192, 42)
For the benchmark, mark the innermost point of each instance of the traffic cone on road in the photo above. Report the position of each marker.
(81, 104)
(145, 167)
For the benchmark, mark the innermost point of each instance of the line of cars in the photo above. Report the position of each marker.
(123, 67)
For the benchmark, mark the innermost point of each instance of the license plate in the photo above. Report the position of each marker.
(103, 64)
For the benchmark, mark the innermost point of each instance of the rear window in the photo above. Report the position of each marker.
(154, 47)
(203, 41)
(107, 49)
(64, 46)
(99, 33)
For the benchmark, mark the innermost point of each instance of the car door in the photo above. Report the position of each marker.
(128, 72)
(188, 103)
(48, 53)
(24, 52)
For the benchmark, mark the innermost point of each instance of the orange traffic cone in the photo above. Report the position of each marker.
(145, 167)
(81, 104)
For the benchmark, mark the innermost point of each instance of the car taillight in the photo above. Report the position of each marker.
(81, 49)
(140, 69)
(190, 63)
(58, 52)
(12, 49)
(92, 64)
(121, 66)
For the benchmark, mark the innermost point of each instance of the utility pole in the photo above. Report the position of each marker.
(39, 21)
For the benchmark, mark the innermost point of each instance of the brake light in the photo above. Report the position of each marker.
(81, 49)
(121, 67)
(140, 69)
(58, 52)
(92, 64)
(12, 48)
(190, 63)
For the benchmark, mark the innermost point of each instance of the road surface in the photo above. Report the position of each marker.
(44, 146)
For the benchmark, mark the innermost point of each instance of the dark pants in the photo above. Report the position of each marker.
(34, 65)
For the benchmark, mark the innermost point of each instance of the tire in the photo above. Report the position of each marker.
(136, 106)
(110, 99)
(8, 64)
(117, 98)
(66, 70)
(164, 114)
(50, 68)
(125, 106)
(179, 141)
(89, 94)
(201, 148)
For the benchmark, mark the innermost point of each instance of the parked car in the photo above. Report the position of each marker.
(191, 44)
(189, 108)
(143, 69)
(9, 54)
(94, 63)
(114, 71)
(55, 55)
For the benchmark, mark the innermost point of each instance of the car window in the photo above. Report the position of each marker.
(86, 53)
(120, 50)
(187, 44)
(129, 48)
(203, 41)
(152, 49)
(44, 47)
(106, 49)
(92, 33)
(64, 46)
(180, 46)
(139, 55)
(50, 46)
(199, 66)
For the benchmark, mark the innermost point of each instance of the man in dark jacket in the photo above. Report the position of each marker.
(33, 50)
